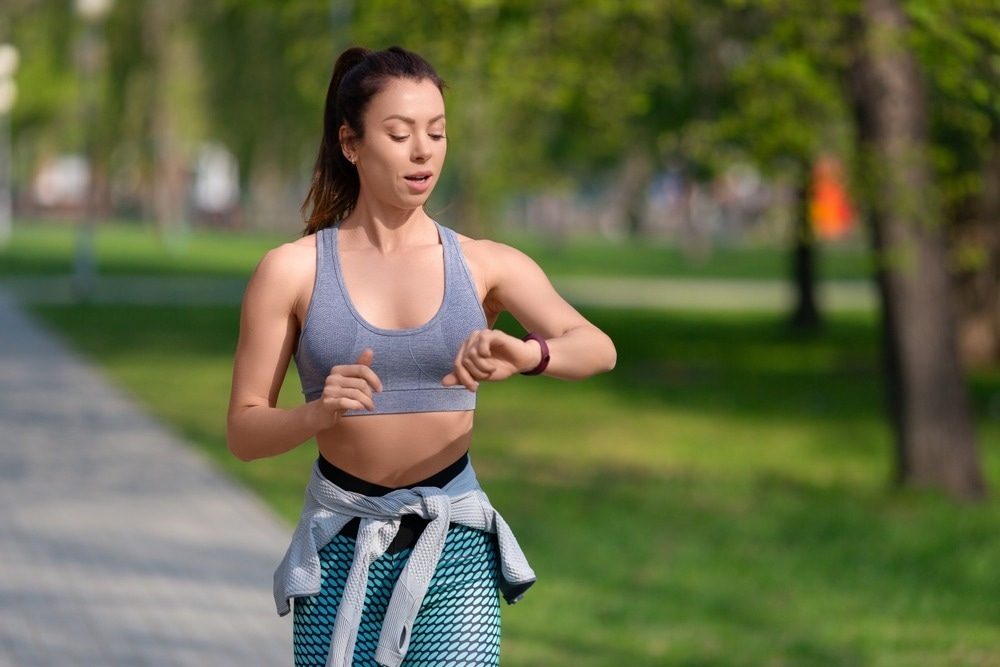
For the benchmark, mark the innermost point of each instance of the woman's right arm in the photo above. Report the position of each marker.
(269, 328)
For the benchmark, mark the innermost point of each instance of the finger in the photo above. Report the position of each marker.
(366, 356)
(370, 378)
(358, 401)
(479, 369)
(349, 398)
(348, 394)
(338, 384)
(461, 373)
(476, 358)
(484, 348)
(358, 370)
(452, 380)
(344, 404)
(365, 361)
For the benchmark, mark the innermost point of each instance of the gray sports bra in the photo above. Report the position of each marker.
(410, 362)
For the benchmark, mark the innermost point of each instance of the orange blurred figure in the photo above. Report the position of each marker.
(830, 210)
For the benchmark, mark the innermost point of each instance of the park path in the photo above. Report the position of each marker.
(119, 545)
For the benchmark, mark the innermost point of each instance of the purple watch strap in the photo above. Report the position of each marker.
(543, 364)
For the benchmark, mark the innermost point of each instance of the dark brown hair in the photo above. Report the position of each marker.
(358, 76)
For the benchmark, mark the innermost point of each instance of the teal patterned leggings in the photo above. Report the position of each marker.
(458, 623)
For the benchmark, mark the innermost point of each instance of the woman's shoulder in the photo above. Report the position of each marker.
(492, 252)
(287, 264)
(497, 265)
(290, 256)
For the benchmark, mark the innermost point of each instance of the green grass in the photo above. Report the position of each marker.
(720, 499)
(595, 256)
(47, 248)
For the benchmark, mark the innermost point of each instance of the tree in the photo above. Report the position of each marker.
(789, 113)
(919, 137)
(929, 405)
(266, 69)
(153, 112)
(547, 95)
(43, 118)
(959, 49)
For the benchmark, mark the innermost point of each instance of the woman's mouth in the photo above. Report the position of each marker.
(419, 182)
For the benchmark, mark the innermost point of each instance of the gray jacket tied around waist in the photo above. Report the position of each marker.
(328, 508)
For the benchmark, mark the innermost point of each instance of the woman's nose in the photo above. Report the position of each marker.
(421, 149)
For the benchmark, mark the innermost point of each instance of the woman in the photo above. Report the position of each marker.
(388, 316)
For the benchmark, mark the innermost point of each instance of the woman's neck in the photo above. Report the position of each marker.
(386, 231)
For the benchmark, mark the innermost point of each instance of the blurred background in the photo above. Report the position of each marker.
(660, 119)
(786, 213)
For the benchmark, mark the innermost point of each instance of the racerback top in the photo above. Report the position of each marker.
(410, 362)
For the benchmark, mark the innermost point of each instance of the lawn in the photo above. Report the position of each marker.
(721, 498)
(47, 248)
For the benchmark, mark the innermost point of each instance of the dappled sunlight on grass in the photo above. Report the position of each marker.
(680, 439)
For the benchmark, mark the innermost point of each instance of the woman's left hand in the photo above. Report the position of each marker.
(491, 355)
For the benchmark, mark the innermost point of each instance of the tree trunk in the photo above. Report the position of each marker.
(806, 316)
(631, 191)
(169, 176)
(928, 398)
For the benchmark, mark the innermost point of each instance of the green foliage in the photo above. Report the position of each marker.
(789, 105)
(958, 44)
(562, 86)
(543, 95)
(47, 93)
(267, 66)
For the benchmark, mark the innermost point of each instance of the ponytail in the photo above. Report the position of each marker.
(335, 185)
(358, 75)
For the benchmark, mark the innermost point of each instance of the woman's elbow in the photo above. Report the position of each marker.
(236, 441)
(237, 449)
(600, 357)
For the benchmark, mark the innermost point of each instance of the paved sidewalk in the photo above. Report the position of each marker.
(119, 546)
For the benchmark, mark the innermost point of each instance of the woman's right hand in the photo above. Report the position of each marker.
(349, 387)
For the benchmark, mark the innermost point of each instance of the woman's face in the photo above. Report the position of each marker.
(400, 158)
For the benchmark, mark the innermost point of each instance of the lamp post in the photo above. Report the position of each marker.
(8, 93)
(93, 13)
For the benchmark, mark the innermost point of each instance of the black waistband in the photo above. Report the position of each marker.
(349, 482)
(411, 525)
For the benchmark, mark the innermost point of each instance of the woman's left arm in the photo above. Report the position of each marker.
(513, 282)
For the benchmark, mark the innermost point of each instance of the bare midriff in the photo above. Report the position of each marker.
(399, 449)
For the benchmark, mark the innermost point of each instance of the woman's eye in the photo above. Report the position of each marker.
(437, 137)
(399, 138)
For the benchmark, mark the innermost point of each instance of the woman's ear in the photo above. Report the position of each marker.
(348, 143)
